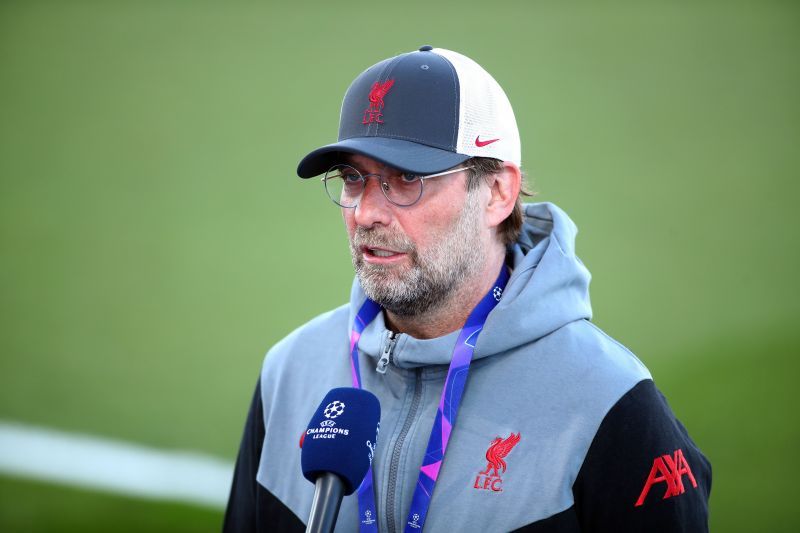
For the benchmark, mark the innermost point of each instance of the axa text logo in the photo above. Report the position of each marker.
(489, 478)
(668, 469)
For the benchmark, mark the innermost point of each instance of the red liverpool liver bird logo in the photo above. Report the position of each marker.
(489, 478)
(374, 113)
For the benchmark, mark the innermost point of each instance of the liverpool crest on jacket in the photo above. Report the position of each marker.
(490, 477)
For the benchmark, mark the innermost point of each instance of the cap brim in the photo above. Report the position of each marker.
(403, 155)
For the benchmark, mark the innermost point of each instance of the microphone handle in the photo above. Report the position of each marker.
(328, 496)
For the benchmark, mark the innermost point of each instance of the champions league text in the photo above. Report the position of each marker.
(327, 432)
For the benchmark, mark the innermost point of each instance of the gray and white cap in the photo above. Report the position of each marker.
(422, 112)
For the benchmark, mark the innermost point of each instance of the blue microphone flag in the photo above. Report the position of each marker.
(341, 436)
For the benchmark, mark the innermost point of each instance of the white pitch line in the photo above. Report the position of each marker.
(115, 466)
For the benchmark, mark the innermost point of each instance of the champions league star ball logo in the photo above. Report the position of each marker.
(497, 293)
(368, 520)
(326, 429)
(334, 409)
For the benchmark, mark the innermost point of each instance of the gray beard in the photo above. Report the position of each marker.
(434, 275)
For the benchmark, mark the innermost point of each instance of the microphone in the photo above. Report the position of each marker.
(337, 451)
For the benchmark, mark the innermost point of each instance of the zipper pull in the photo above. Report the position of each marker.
(386, 356)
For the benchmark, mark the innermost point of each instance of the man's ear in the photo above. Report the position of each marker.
(504, 187)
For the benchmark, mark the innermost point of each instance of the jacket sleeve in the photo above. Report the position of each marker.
(643, 472)
(251, 507)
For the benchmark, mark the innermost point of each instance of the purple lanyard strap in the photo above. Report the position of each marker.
(445, 415)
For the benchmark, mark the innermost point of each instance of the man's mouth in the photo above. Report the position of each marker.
(379, 255)
(381, 249)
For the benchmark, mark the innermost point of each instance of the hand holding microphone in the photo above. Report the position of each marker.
(337, 451)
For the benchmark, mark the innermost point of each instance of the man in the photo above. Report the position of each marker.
(503, 407)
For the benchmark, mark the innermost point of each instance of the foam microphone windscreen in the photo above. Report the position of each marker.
(341, 436)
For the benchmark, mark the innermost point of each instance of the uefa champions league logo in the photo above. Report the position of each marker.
(415, 519)
(334, 409)
(371, 445)
(497, 292)
(368, 518)
(326, 429)
(371, 452)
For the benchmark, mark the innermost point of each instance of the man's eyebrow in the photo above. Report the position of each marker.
(350, 164)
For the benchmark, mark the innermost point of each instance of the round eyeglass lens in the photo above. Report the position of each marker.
(403, 190)
(344, 185)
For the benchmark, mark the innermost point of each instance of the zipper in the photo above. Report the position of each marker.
(386, 356)
(398, 449)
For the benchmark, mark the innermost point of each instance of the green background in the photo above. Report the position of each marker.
(154, 241)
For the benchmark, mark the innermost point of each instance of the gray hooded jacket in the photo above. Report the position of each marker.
(591, 443)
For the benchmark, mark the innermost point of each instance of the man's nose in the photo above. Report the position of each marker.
(373, 207)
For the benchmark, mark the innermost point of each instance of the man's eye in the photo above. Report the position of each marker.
(410, 178)
(351, 178)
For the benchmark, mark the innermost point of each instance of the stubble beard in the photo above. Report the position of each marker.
(433, 276)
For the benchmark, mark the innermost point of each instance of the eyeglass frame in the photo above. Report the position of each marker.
(385, 184)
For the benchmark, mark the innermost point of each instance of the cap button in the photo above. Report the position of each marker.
(425, 48)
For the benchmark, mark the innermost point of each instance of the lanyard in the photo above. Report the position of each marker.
(445, 415)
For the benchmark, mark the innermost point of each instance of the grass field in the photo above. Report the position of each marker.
(155, 241)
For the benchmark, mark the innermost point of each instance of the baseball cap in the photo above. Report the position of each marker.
(422, 112)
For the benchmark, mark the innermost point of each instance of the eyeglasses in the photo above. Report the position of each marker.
(345, 185)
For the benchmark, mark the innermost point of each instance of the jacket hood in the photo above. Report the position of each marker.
(548, 288)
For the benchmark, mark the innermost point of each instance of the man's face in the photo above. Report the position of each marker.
(411, 259)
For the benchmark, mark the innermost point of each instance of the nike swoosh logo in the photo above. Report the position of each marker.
(480, 144)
